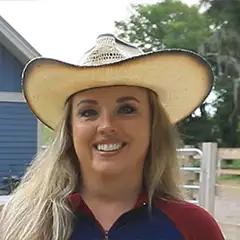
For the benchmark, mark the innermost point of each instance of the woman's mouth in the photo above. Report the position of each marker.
(111, 147)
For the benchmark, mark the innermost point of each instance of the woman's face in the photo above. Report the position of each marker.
(111, 129)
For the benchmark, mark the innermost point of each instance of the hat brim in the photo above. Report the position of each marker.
(182, 80)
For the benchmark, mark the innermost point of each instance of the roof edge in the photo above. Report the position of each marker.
(15, 43)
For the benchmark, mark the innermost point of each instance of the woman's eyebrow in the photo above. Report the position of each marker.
(119, 100)
(89, 101)
(127, 98)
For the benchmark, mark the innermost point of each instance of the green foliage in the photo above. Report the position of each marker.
(46, 134)
(235, 164)
(224, 12)
(222, 49)
(228, 178)
(167, 24)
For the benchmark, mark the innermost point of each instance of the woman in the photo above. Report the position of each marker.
(111, 171)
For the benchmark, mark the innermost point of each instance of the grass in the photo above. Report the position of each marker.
(228, 179)
(235, 164)
(46, 134)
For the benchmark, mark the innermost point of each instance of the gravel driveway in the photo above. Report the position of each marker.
(227, 210)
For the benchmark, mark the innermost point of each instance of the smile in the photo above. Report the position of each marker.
(109, 147)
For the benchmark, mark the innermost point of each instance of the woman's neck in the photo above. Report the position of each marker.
(111, 189)
(110, 197)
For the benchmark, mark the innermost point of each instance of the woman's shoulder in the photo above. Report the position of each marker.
(193, 221)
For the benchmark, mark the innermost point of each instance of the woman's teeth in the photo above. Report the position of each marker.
(109, 147)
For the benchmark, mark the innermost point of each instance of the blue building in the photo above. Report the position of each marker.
(19, 129)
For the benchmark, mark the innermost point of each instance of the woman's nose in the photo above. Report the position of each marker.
(106, 125)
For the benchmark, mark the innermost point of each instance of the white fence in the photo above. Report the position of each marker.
(207, 172)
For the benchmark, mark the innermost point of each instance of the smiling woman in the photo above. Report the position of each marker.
(111, 171)
(105, 127)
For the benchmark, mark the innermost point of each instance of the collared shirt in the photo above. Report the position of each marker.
(166, 220)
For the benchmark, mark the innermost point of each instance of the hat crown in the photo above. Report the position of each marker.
(108, 49)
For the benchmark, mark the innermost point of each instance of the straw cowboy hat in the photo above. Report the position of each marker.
(181, 78)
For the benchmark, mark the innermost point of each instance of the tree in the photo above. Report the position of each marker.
(222, 49)
(224, 12)
(167, 24)
(172, 24)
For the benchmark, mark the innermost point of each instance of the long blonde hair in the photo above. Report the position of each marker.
(38, 209)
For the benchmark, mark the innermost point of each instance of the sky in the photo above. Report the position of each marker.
(66, 29)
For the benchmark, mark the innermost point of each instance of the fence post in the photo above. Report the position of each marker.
(208, 176)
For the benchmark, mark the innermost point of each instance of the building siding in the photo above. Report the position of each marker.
(18, 138)
(10, 71)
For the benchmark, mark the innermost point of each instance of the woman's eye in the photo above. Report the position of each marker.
(88, 113)
(126, 109)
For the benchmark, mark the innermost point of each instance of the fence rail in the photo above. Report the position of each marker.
(228, 154)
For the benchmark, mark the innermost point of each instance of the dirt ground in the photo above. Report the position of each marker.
(227, 210)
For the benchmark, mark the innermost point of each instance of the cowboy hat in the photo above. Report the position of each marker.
(182, 79)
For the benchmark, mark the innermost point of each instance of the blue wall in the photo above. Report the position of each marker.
(10, 72)
(18, 129)
(18, 126)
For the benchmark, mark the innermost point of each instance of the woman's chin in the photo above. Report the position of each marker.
(108, 168)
